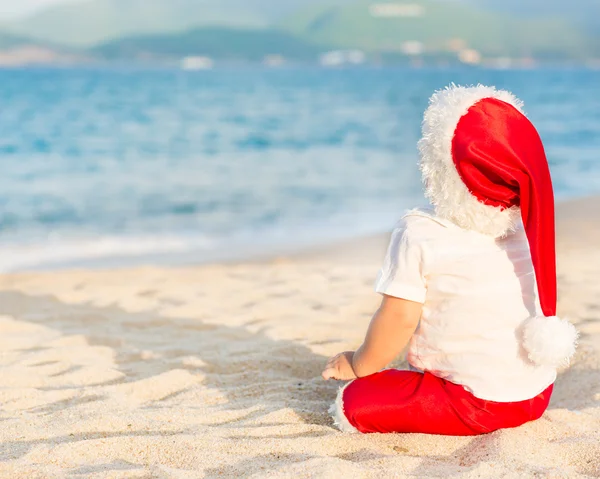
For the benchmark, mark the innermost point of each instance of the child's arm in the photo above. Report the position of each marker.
(389, 332)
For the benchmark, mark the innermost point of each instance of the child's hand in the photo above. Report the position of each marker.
(340, 367)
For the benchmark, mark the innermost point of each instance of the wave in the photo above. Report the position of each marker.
(56, 253)
(184, 248)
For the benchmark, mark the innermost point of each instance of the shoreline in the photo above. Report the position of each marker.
(354, 249)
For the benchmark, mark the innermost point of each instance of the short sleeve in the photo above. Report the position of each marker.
(402, 274)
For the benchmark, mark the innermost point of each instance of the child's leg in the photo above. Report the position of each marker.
(400, 401)
(411, 402)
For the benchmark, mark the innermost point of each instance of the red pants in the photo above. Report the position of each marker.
(411, 402)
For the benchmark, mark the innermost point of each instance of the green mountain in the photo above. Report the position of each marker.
(8, 41)
(97, 21)
(435, 23)
(20, 51)
(215, 42)
(583, 12)
(88, 23)
(542, 28)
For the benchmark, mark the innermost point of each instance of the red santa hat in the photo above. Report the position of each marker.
(484, 166)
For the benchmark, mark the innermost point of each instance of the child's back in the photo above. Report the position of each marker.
(477, 292)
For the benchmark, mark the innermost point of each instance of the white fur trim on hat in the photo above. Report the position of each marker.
(550, 341)
(337, 413)
(443, 185)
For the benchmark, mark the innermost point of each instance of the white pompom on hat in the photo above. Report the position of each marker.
(483, 163)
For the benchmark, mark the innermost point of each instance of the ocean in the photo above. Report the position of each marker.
(110, 167)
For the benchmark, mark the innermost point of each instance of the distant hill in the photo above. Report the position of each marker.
(97, 21)
(20, 51)
(88, 23)
(12, 41)
(218, 43)
(549, 29)
(585, 12)
(435, 24)
(9, 41)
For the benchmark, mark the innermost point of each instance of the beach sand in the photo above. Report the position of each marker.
(213, 371)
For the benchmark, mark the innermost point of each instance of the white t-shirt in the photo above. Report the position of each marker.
(476, 292)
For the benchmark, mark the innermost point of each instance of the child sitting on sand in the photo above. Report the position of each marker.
(470, 284)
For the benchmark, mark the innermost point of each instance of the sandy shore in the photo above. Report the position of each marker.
(214, 372)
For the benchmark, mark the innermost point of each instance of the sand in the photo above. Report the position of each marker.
(213, 371)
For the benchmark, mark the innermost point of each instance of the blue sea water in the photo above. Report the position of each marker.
(135, 166)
